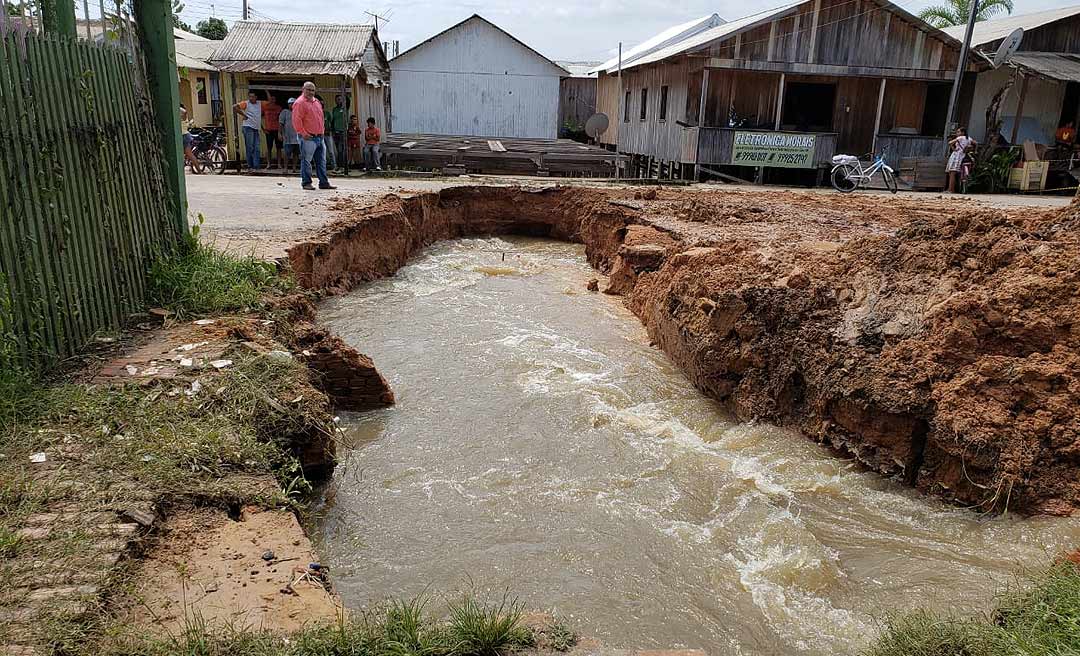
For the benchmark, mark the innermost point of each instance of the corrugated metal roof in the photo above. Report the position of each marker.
(669, 36)
(991, 30)
(579, 69)
(1056, 65)
(195, 53)
(297, 49)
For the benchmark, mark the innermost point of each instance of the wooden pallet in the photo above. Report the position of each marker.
(498, 155)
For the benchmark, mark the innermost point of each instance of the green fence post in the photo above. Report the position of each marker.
(58, 17)
(154, 20)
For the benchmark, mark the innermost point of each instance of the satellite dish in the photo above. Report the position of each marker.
(596, 125)
(1008, 47)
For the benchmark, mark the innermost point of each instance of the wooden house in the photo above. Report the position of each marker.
(476, 79)
(276, 57)
(788, 87)
(1039, 85)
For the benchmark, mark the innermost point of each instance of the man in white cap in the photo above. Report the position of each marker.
(290, 142)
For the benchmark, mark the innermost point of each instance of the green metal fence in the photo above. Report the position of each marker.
(83, 204)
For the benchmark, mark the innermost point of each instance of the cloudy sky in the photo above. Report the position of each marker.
(568, 29)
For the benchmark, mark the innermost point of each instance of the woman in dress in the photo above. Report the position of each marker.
(958, 148)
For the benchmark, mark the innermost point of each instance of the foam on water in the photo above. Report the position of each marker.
(539, 443)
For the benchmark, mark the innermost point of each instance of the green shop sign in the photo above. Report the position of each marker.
(778, 149)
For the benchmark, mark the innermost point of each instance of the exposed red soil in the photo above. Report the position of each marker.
(934, 343)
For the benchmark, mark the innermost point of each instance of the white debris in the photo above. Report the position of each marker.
(220, 364)
(188, 347)
(131, 369)
(38, 457)
(195, 387)
(147, 458)
(151, 371)
(204, 322)
(186, 362)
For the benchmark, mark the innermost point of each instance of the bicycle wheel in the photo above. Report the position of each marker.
(842, 180)
(890, 181)
(213, 160)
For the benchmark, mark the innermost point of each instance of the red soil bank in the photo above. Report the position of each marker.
(933, 342)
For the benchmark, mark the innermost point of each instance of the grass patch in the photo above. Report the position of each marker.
(200, 280)
(1039, 615)
(165, 438)
(399, 628)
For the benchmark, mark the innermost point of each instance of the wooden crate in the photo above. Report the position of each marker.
(1029, 177)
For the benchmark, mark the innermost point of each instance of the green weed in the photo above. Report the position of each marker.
(483, 629)
(199, 279)
(1038, 615)
(400, 628)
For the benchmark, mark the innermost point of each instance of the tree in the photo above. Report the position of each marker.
(177, 8)
(212, 28)
(956, 12)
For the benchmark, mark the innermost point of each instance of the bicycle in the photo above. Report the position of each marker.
(208, 146)
(848, 173)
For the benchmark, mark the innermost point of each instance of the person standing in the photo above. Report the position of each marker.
(251, 110)
(959, 146)
(290, 146)
(372, 137)
(337, 123)
(272, 128)
(309, 121)
(189, 141)
(356, 155)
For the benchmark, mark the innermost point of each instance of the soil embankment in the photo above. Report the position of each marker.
(935, 345)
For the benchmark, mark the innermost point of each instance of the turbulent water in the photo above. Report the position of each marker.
(540, 444)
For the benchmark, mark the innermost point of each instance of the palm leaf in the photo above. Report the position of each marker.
(940, 15)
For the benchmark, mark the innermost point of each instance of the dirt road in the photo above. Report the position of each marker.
(265, 214)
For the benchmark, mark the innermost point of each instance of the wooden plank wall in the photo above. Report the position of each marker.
(1059, 36)
(751, 94)
(850, 33)
(905, 102)
(659, 139)
(577, 101)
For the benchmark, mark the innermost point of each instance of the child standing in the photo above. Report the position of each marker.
(355, 154)
(372, 137)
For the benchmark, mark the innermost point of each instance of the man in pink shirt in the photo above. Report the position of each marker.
(307, 118)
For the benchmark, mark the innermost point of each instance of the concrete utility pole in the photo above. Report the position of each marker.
(961, 64)
(154, 18)
(58, 17)
(245, 12)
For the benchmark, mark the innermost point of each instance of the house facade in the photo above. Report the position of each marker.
(786, 88)
(1039, 86)
(476, 79)
(277, 57)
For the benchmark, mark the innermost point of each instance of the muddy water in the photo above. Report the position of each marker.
(539, 443)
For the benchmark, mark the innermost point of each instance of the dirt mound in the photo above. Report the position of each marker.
(934, 341)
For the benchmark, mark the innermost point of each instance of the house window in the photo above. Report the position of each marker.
(644, 102)
(663, 103)
(626, 109)
(200, 88)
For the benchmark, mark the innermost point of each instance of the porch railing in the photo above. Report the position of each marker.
(910, 145)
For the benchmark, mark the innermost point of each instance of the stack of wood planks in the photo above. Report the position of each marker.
(498, 155)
